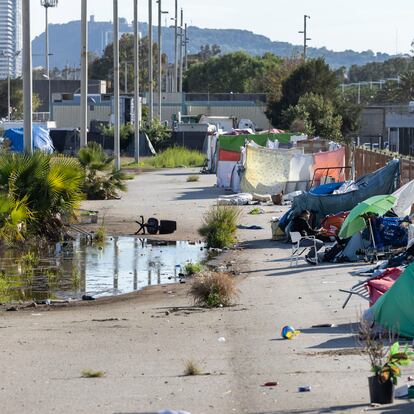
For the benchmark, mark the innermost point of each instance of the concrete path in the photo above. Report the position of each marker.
(143, 341)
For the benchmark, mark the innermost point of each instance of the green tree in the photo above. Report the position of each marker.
(317, 115)
(102, 68)
(313, 76)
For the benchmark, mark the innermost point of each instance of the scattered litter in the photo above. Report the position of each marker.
(270, 384)
(222, 339)
(401, 392)
(289, 332)
(325, 325)
(241, 199)
(12, 309)
(306, 388)
(266, 198)
(410, 378)
(254, 227)
(87, 297)
(37, 314)
(256, 211)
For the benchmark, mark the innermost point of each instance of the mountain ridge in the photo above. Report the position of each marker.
(65, 44)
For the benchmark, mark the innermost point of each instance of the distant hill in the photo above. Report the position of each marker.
(65, 44)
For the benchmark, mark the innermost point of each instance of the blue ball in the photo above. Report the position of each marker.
(288, 332)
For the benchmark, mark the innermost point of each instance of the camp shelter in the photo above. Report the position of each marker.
(393, 310)
(382, 181)
(405, 199)
(41, 139)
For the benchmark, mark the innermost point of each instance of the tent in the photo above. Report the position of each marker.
(393, 310)
(405, 199)
(382, 181)
(41, 139)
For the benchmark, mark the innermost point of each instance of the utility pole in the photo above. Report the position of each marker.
(160, 13)
(150, 65)
(305, 36)
(136, 81)
(84, 76)
(116, 88)
(186, 48)
(175, 75)
(27, 79)
(181, 52)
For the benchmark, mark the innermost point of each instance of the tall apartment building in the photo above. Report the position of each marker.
(11, 41)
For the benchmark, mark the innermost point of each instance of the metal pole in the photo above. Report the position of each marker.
(47, 41)
(84, 76)
(27, 79)
(150, 65)
(175, 75)
(116, 88)
(181, 52)
(126, 77)
(159, 61)
(304, 40)
(8, 91)
(185, 50)
(136, 80)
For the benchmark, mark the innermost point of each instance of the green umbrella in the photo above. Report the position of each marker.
(355, 222)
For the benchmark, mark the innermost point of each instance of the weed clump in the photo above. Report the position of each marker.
(193, 179)
(220, 226)
(191, 368)
(100, 234)
(192, 269)
(88, 373)
(213, 289)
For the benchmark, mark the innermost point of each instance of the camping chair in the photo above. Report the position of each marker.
(153, 226)
(296, 238)
(370, 289)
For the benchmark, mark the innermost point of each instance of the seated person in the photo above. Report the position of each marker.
(301, 225)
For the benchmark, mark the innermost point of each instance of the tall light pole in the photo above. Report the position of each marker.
(117, 157)
(180, 88)
(27, 79)
(84, 76)
(46, 4)
(150, 64)
(175, 77)
(160, 13)
(136, 81)
(186, 39)
(305, 36)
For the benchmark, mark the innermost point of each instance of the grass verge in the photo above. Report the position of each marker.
(175, 157)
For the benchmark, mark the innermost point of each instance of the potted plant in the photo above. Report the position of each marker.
(386, 365)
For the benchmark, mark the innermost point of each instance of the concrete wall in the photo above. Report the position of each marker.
(68, 116)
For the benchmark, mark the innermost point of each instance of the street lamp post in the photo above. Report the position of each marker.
(27, 79)
(116, 89)
(46, 4)
(305, 36)
(84, 76)
(180, 89)
(160, 13)
(150, 64)
(175, 89)
(136, 81)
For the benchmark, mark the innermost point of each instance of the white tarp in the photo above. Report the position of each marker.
(225, 172)
(267, 171)
(405, 199)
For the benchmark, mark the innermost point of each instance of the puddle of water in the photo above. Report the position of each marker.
(72, 269)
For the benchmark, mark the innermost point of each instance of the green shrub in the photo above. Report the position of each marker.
(192, 269)
(175, 157)
(220, 226)
(213, 289)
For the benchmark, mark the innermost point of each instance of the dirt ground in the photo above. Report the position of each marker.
(143, 340)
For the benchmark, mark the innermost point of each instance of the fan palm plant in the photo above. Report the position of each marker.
(37, 191)
(102, 181)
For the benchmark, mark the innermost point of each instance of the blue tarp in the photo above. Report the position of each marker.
(382, 181)
(41, 139)
(325, 188)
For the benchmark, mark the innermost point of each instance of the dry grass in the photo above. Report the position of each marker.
(88, 373)
(213, 289)
(191, 368)
(193, 179)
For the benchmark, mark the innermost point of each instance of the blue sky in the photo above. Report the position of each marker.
(380, 25)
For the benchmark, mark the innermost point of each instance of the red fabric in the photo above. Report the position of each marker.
(377, 287)
(331, 225)
(229, 155)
